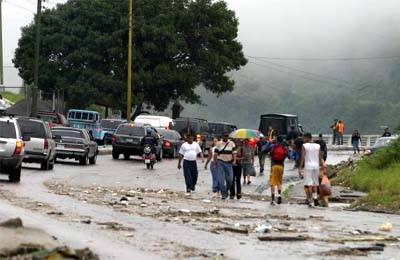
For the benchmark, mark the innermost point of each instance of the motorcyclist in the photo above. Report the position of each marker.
(149, 140)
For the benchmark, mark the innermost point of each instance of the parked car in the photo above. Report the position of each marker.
(198, 127)
(380, 143)
(218, 128)
(89, 120)
(11, 148)
(41, 147)
(281, 123)
(110, 125)
(172, 142)
(127, 141)
(72, 143)
(53, 118)
(154, 121)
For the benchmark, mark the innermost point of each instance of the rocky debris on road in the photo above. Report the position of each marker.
(355, 251)
(20, 243)
(285, 238)
(333, 170)
(115, 226)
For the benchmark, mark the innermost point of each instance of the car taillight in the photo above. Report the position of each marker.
(18, 147)
(198, 138)
(46, 144)
(167, 144)
(114, 138)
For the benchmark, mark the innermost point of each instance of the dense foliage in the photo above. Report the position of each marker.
(178, 45)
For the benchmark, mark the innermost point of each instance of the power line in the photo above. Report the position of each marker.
(301, 71)
(326, 59)
(19, 6)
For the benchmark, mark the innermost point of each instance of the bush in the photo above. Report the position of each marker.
(383, 158)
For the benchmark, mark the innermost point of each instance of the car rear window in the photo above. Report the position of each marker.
(182, 126)
(49, 118)
(109, 123)
(34, 129)
(130, 130)
(167, 134)
(7, 130)
(68, 133)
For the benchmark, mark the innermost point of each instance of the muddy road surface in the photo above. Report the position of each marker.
(120, 210)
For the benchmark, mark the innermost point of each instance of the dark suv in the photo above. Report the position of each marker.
(128, 138)
(198, 127)
(218, 128)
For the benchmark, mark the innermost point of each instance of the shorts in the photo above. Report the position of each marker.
(311, 177)
(276, 177)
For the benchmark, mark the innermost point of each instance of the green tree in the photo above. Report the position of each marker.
(178, 46)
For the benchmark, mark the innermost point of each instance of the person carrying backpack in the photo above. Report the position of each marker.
(278, 155)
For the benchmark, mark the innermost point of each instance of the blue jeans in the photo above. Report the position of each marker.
(225, 177)
(191, 174)
(297, 158)
(356, 146)
(214, 175)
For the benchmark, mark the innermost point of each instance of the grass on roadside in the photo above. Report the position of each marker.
(13, 97)
(379, 176)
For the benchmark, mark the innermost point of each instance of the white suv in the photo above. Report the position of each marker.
(11, 148)
(41, 148)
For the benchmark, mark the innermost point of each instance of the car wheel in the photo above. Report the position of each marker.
(83, 160)
(45, 165)
(159, 155)
(51, 166)
(15, 175)
(115, 154)
(93, 159)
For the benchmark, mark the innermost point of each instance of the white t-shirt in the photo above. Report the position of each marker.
(311, 160)
(190, 151)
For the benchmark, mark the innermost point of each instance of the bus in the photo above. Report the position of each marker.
(89, 120)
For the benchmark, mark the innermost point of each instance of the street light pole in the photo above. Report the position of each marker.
(36, 66)
(1, 47)
(129, 83)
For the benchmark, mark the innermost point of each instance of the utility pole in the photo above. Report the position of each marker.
(1, 46)
(129, 83)
(36, 66)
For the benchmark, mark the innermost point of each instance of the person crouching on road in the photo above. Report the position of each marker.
(189, 152)
(311, 160)
(213, 170)
(224, 158)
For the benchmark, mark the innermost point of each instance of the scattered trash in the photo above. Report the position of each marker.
(143, 205)
(207, 201)
(356, 251)
(237, 225)
(214, 211)
(115, 226)
(234, 229)
(57, 213)
(124, 199)
(86, 221)
(284, 238)
(184, 211)
(386, 227)
(316, 217)
(129, 235)
(263, 229)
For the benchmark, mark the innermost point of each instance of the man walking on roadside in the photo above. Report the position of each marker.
(261, 155)
(224, 158)
(311, 160)
(189, 152)
(278, 155)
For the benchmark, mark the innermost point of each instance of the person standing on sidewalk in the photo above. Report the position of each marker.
(189, 152)
(261, 155)
(334, 128)
(355, 141)
(278, 155)
(311, 160)
(340, 132)
(236, 187)
(224, 158)
(214, 176)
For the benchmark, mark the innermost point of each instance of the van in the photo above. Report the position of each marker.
(197, 127)
(218, 128)
(281, 123)
(154, 121)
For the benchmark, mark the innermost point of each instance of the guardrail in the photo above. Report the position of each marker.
(366, 140)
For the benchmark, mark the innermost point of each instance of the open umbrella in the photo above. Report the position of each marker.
(245, 134)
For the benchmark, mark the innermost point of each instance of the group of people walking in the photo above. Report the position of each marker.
(231, 160)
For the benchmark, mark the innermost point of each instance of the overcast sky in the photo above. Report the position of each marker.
(273, 28)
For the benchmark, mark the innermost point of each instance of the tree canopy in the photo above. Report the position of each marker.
(178, 46)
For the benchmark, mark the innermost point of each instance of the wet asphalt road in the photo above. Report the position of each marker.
(163, 228)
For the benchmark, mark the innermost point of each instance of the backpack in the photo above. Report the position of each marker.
(278, 153)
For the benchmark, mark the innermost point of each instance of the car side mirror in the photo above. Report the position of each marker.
(26, 138)
(57, 138)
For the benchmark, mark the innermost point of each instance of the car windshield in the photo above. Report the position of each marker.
(68, 133)
(49, 118)
(7, 130)
(130, 130)
(217, 129)
(383, 142)
(31, 128)
(182, 126)
(109, 123)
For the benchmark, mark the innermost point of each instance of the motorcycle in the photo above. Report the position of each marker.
(149, 158)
